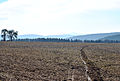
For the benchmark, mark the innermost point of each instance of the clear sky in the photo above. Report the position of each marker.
(1, 1)
(52, 17)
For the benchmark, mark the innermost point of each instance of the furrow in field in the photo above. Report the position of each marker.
(92, 72)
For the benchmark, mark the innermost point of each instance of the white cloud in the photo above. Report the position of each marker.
(42, 14)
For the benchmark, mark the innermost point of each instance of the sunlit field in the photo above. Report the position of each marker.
(45, 61)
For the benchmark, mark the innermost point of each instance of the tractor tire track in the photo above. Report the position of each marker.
(91, 71)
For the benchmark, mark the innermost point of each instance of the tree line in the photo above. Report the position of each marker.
(8, 34)
(67, 40)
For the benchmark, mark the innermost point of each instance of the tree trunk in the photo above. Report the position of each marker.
(4, 37)
(10, 38)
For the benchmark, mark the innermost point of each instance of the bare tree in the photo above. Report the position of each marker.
(15, 34)
(4, 34)
(12, 34)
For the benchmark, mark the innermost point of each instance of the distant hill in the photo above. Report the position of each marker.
(59, 36)
(94, 36)
(32, 36)
(113, 37)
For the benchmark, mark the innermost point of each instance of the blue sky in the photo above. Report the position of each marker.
(1, 1)
(52, 17)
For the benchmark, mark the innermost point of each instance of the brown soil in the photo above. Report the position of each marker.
(43, 61)
(92, 70)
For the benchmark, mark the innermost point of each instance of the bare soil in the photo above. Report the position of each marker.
(43, 61)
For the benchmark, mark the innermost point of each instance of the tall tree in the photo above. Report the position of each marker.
(12, 34)
(15, 34)
(4, 34)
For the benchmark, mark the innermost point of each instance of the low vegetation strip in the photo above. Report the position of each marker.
(92, 72)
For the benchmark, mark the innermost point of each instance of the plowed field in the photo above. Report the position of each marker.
(43, 61)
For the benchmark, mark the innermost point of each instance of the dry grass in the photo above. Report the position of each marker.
(42, 61)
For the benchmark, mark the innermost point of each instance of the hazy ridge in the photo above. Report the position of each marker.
(94, 36)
